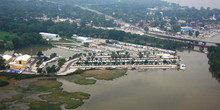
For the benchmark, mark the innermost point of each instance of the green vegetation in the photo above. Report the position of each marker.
(84, 81)
(2, 63)
(28, 30)
(13, 98)
(61, 62)
(52, 94)
(3, 83)
(214, 61)
(2, 106)
(43, 105)
(105, 74)
(40, 53)
(19, 76)
(79, 79)
(52, 55)
(52, 69)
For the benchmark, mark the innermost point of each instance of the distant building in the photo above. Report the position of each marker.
(20, 62)
(186, 29)
(7, 58)
(49, 35)
(83, 39)
(164, 56)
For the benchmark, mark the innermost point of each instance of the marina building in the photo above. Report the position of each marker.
(20, 62)
(7, 58)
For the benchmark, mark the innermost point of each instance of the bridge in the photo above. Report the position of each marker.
(194, 42)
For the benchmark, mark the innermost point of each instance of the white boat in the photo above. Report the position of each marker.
(182, 66)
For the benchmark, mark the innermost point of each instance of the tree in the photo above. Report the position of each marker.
(197, 33)
(2, 63)
(39, 70)
(140, 55)
(86, 62)
(146, 62)
(61, 62)
(176, 28)
(39, 53)
(146, 29)
(53, 55)
(190, 33)
(86, 44)
(165, 62)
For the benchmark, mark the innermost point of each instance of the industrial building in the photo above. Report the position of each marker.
(49, 35)
(83, 39)
(7, 58)
(20, 62)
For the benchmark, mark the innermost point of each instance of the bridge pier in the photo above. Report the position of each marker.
(204, 43)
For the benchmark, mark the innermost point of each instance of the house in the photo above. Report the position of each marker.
(7, 58)
(20, 62)
(186, 29)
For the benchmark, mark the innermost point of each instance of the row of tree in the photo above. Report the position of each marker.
(214, 61)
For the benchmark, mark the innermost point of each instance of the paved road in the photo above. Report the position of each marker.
(128, 66)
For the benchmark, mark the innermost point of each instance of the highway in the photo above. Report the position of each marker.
(150, 33)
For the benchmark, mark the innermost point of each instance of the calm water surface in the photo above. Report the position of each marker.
(192, 89)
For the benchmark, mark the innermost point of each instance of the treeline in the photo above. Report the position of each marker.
(28, 30)
(214, 60)
(133, 11)
(19, 33)
(25, 9)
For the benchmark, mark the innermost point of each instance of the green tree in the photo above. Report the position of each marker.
(2, 63)
(146, 29)
(53, 55)
(39, 53)
(190, 33)
(197, 33)
(61, 62)
(140, 55)
(176, 28)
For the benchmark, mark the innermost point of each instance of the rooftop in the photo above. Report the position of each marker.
(23, 57)
(7, 57)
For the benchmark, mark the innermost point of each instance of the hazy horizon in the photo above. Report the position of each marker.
(197, 3)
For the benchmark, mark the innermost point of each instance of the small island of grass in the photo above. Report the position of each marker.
(105, 74)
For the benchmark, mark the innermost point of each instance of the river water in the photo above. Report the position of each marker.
(192, 89)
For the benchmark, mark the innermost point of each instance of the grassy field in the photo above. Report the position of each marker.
(105, 74)
(78, 79)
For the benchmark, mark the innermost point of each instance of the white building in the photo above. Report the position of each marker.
(49, 35)
(83, 39)
(7, 58)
